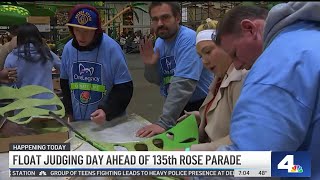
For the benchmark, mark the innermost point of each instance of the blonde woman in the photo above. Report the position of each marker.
(215, 113)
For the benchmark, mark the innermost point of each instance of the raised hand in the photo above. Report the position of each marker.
(147, 54)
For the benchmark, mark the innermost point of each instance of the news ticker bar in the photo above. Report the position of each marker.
(36, 158)
(124, 173)
(138, 163)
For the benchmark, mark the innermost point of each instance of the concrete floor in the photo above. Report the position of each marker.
(146, 100)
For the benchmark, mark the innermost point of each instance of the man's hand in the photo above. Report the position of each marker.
(8, 75)
(99, 117)
(149, 57)
(150, 130)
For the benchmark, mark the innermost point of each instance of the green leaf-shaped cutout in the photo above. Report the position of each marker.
(29, 106)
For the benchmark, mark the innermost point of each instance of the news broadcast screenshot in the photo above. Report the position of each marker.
(159, 90)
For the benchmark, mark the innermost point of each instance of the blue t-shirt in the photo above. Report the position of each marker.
(179, 58)
(279, 105)
(92, 74)
(33, 73)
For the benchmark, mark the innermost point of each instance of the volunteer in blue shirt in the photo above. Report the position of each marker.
(94, 74)
(174, 65)
(279, 105)
(32, 54)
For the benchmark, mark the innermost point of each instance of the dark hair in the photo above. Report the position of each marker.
(230, 24)
(13, 30)
(29, 34)
(175, 7)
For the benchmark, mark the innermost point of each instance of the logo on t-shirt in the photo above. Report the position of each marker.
(87, 83)
(168, 65)
(84, 70)
(85, 97)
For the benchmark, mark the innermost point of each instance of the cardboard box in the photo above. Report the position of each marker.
(53, 137)
(38, 19)
(42, 22)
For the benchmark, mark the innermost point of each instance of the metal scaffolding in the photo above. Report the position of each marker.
(194, 13)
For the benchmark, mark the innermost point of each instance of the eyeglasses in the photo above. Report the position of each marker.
(163, 18)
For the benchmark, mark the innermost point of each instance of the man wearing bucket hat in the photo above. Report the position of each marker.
(95, 79)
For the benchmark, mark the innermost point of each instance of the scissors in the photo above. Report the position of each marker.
(63, 122)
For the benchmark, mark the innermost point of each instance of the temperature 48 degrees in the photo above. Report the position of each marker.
(164, 160)
(262, 173)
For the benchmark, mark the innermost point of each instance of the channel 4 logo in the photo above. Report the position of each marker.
(290, 164)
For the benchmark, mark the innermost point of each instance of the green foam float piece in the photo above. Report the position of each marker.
(11, 15)
(184, 134)
(29, 106)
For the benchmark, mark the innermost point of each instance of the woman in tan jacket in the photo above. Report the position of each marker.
(215, 113)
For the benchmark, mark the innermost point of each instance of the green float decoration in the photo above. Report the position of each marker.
(27, 105)
(183, 135)
(40, 10)
(132, 6)
(12, 15)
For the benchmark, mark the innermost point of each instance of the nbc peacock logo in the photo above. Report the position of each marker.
(297, 169)
(288, 163)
